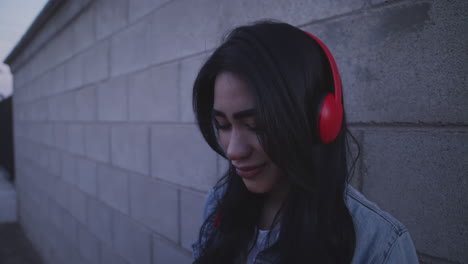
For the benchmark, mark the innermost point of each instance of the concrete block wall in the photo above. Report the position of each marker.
(112, 169)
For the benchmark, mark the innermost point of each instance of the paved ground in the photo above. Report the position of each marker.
(15, 248)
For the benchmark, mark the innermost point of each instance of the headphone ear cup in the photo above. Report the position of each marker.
(329, 119)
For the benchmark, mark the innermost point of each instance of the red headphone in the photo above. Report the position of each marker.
(330, 115)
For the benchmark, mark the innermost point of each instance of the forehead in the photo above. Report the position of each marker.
(231, 93)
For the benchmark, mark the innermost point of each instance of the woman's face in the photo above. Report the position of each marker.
(234, 117)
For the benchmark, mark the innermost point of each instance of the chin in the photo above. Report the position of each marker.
(256, 188)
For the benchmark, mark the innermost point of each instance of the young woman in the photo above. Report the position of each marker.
(269, 101)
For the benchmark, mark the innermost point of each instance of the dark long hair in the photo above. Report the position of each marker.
(288, 73)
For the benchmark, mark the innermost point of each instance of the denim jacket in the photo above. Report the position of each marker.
(380, 238)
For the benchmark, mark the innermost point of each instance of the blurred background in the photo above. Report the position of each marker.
(15, 17)
(102, 161)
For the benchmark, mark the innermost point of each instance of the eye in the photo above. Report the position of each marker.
(251, 124)
(221, 126)
(251, 127)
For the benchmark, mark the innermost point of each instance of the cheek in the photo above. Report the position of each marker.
(275, 176)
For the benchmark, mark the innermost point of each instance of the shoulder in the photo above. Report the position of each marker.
(211, 202)
(380, 238)
(212, 199)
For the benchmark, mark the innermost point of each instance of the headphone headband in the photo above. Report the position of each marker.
(334, 68)
(330, 114)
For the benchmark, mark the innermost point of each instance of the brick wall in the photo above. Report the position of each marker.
(112, 169)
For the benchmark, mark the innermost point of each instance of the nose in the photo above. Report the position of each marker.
(238, 147)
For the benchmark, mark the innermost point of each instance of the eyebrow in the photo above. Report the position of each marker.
(236, 115)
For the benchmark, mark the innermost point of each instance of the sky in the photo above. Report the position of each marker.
(15, 18)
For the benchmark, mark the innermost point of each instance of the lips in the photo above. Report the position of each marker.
(248, 172)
